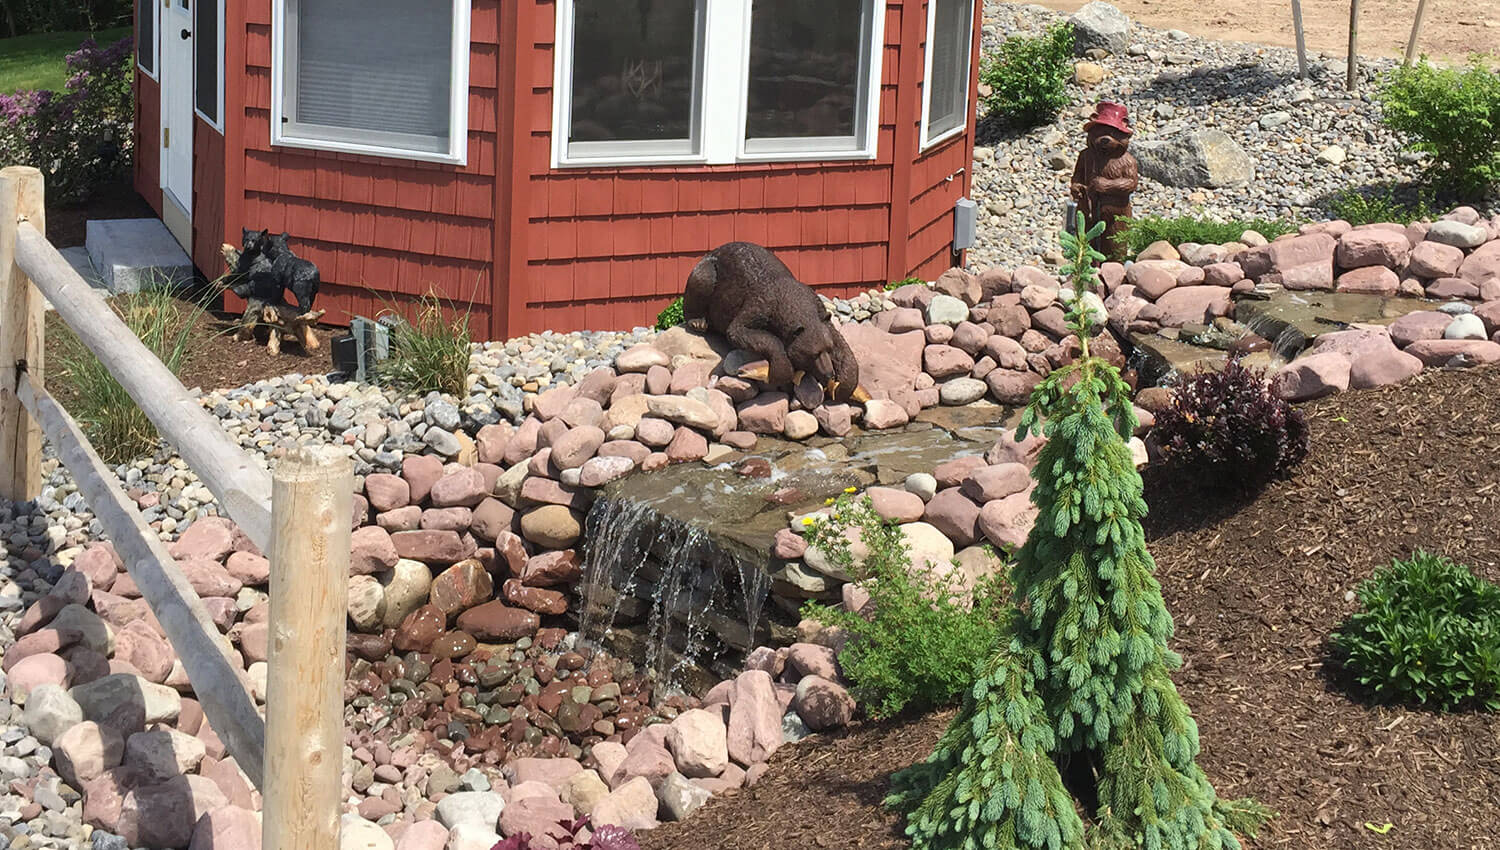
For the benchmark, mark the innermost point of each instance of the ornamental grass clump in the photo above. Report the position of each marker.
(1080, 673)
(1228, 430)
(431, 352)
(925, 631)
(1428, 633)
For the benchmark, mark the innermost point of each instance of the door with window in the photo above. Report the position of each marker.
(177, 101)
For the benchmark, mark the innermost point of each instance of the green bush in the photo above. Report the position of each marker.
(430, 353)
(1452, 114)
(1429, 633)
(110, 418)
(1377, 207)
(927, 632)
(670, 317)
(897, 284)
(1028, 76)
(1141, 232)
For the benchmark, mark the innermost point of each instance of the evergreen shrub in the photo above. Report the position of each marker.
(1080, 674)
(1428, 633)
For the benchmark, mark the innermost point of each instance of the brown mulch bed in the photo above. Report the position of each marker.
(216, 360)
(1255, 589)
(67, 224)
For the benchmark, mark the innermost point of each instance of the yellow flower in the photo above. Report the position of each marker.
(829, 501)
(851, 489)
(808, 521)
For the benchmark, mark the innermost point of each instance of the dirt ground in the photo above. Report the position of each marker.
(1255, 589)
(1449, 30)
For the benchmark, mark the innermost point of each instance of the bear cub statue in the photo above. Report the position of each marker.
(267, 268)
(742, 291)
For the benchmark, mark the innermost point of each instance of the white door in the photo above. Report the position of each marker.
(177, 101)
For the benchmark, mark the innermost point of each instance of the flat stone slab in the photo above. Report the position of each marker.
(131, 254)
(78, 257)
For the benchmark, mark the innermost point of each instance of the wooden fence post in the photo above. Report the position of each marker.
(20, 336)
(311, 501)
(1416, 32)
(1352, 80)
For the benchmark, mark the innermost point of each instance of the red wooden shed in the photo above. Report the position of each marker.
(559, 163)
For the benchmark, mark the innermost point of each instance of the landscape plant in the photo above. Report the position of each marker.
(1079, 676)
(118, 429)
(670, 316)
(1028, 76)
(1379, 206)
(79, 137)
(897, 284)
(925, 631)
(1177, 230)
(430, 353)
(1427, 632)
(1226, 429)
(1452, 114)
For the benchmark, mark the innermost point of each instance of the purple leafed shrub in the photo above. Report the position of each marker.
(1228, 430)
(604, 838)
(80, 136)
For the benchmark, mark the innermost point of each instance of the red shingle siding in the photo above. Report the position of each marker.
(379, 229)
(208, 199)
(147, 132)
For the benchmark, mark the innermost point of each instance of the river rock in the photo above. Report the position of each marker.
(823, 704)
(1314, 376)
(497, 621)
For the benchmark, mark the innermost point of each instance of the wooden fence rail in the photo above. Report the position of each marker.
(299, 517)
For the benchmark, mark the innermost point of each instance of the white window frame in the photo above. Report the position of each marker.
(722, 110)
(963, 125)
(458, 110)
(219, 124)
(155, 43)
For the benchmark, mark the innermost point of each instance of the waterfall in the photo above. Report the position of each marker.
(698, 600)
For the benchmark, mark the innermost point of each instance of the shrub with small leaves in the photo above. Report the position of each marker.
(1228, 430)
(671, 317)
(1376, 206)
(1452, 114)
(1028, 76)
(1428, 633)
(926, 631)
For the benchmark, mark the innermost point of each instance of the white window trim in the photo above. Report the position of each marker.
(933, 141)
(458, 129)
(723, 101)
(155, 43)
(219, 124)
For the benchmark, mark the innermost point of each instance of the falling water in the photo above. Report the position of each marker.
(697, 599)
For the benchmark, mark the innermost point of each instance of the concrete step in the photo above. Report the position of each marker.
(78, 258)
(130, 254)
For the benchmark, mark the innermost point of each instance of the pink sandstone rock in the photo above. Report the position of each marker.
(422, 471)
(1482, 268)
(1313, 376)
(463, 487)
(1006, 522)
(100, 563)
(1438, 352)
(209, 538)
(823, 704)
(896, 505)
(754, 731)
(1431, 260)
(952, 513)
(1373, 247)
(1382, 366)
(1194, 304)
(372, 550)
(686, 445)
(988, 483)
(888, 363)
(387, 492)
(765, 414)
(1373, 280)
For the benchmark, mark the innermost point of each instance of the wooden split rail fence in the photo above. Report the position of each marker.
(298, 516)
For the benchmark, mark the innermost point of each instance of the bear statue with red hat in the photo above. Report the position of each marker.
(1105, 176)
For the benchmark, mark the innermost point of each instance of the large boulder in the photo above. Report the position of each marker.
(1207, 159)
(1100, 25)
(888, 363)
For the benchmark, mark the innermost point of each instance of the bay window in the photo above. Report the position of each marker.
(379, 77)
(715, 81)
(950, 37)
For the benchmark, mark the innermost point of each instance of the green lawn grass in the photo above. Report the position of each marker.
(36, 61)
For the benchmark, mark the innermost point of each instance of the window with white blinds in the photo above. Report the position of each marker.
(384, 77)
(950, 35)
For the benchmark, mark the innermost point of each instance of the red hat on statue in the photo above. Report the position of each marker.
(1110, 115)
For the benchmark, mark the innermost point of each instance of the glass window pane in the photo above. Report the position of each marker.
(949, 83)
(806, 68)
(206, 58)
(382, 66)
(634, 70)
(145, 49)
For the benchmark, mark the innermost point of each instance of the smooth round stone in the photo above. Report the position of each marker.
(960, 391)
(453, 645)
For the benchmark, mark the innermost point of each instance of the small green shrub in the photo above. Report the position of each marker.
(431, 352)
(110, 418)
(1429, 633)
(1452, 114)
(1028, 76)
(897, 284)
(927, 632)
(1226, 429)
(1377, 207)
(1141, 232)
(670, 317)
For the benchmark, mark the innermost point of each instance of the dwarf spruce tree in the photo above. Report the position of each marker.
(1079, 682)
